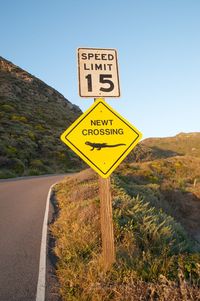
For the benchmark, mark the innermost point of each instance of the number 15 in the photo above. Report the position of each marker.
(103, 79)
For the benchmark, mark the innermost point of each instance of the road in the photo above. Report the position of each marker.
(22, 208)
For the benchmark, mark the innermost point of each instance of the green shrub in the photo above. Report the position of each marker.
(33, 172)
(11, 150)
(19, 118)
(36, 163)
(7, 108)
(18, 166)
(31, 135)
(6, 173)
(39, 127)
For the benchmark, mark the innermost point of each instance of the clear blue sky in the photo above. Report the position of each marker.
(158, 44)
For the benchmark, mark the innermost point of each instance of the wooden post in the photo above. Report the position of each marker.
(107, 235)
(108, 252)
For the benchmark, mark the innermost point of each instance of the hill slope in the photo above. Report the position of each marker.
(160, 148)
(32, 117)
(166, 173)
(182, 144)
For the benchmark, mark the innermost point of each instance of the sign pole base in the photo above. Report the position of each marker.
(108, 252)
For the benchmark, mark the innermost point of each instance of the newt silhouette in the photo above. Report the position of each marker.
(99, 146)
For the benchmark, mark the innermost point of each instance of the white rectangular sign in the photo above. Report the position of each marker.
(98, 72)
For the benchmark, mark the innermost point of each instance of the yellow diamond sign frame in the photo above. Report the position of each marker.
(101, 137)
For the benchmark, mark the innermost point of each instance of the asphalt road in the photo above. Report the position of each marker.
(22, 208)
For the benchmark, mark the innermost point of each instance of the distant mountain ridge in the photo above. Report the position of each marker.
(32, 117)
(182, 143)
(159, 148)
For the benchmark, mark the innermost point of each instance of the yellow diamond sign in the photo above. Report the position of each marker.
(101, 137)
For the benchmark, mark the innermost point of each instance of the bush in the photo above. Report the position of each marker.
(33, 172)
(18, 166)
(19, 118)
(36, 163)
(7, 108)
(5, 174)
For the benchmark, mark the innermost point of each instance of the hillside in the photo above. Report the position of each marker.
(32, 117)
(181, 144)
(166, 173)
(160, 148)
(171, 184)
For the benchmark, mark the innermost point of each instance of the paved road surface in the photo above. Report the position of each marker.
(22, 207)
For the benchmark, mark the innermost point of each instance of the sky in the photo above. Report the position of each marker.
(158, 46)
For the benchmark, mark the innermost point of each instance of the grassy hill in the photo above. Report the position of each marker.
(166, 173)
(156, 210)
(160, 148)
(171, 184)
(181, 144)
(32, 117)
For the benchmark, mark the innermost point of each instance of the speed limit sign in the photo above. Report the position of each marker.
(98, 72)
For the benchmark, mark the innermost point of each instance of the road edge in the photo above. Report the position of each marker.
(41, 284)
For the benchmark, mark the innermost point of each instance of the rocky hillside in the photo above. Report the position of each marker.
(32, 117)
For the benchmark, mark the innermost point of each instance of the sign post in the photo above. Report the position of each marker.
(107, 234)
(101, 136)
(106, 220)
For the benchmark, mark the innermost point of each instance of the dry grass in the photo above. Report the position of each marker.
(140, 272)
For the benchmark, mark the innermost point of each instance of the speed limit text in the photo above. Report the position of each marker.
(90, 57)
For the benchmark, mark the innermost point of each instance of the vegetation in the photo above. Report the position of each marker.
(172, 185)
(156, 257)
(32, 118)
